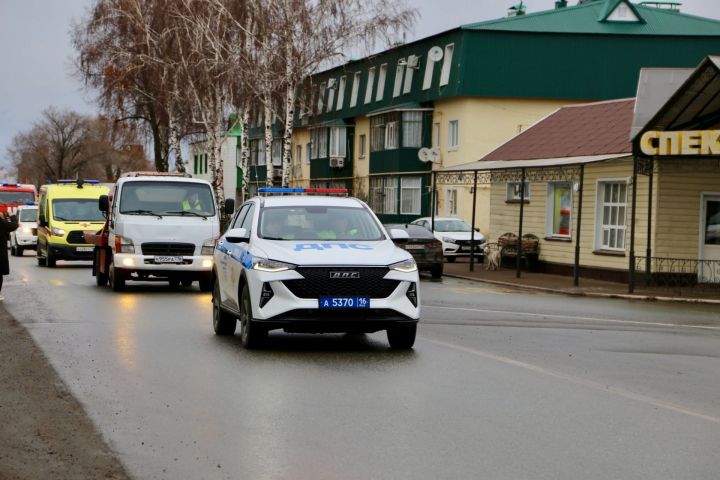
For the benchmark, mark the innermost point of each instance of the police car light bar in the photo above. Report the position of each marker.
(11, 185)
(311, 191)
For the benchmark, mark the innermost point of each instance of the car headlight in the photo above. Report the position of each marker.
(267, 265)
(448, 240)
(58, 232)
(208, 247)
(406, 266)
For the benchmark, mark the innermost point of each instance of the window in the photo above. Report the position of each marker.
(381, 82)
(611, 213)
(559, 210)
(514, 193)
(429, 69)
(412, 60)
(321, 98)
(277, 151)
(254, 151)
(412, 129)
(341, 93)
(447, 65)
(451, 202)
(338, 142)
(370, 85)
(332, 86)
(398, 78)
(377, 133)
(410, 193)
(383, 194)
(453, 134)
(261, 152)
(355, 90)
(362, 146)
(319, 143)
(392, 137)
(195, 164)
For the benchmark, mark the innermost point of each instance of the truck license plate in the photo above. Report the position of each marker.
(344, 302)
(168, 259)
(84, 249)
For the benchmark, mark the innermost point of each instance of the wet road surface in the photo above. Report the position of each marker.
(500, 385)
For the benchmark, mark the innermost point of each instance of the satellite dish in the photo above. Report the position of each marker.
(424, 155)
(434, 154)
(435, 54)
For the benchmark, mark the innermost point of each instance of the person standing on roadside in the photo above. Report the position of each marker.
(7, 224)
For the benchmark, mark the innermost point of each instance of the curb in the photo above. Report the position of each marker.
(626, 296)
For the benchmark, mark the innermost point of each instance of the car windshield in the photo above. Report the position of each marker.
(451, 226)
(77, 209)
(319, 223)
(167, 198)
(17, 197)
(28, 215)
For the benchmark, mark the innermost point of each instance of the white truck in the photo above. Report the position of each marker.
(160, 227)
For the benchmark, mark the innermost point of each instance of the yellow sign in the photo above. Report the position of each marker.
(693, 142)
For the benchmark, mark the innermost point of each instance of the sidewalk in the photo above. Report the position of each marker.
(587, 287)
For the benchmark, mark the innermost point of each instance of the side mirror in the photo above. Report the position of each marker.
(104, 203)
(399, 236)
(41, 221)
(229, 206)
(237, 235)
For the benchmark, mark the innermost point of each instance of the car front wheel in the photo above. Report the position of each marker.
(402, 336)
(252, 335)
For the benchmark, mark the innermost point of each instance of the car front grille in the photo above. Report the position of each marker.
(168, 248)
(76, 236)
(317, 283)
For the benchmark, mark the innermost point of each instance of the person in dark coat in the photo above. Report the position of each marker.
(7, 224)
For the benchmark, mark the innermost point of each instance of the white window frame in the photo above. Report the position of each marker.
(412, 128)
(355, 90)
(451, 202)
(261, 152)
(341, 93)
(407, 86)
(411, 186)
(338, 142)
(390, 199)
(429, 70)
(370, 85)
(513, 191)
(399, 70)
(392, 135)
(331, 96)
(622, 207)
(550, 210)
(447, 64)
(381, 82)
(453, 134)
(321, 98)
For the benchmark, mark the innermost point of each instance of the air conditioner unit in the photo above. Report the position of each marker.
(337, 162)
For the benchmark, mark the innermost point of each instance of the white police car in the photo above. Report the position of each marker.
(311, 263)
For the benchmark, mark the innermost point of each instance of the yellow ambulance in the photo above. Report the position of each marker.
(65, 211)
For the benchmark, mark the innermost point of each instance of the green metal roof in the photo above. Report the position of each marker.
(590, 18)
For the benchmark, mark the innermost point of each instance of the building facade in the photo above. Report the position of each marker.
(382, 124)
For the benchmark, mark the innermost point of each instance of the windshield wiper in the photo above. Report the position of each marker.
(187, 212)
(141, 212)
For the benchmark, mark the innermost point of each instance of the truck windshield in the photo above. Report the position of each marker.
(28, 215)
(77, 209)
(16, 197)
(319, 223)
(167, 198)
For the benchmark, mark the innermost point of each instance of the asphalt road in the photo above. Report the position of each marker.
(500, 385)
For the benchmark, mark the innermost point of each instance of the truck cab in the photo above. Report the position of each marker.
(13, 195)
(161, 227)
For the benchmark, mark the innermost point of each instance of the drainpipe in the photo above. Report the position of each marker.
(432, 202)
(648, 250)
(631, 267)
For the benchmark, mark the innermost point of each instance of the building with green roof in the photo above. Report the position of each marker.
(381, 124)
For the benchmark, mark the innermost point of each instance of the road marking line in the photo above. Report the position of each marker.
(578, 380)
(570, 317)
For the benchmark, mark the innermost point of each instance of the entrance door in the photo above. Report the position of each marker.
(710, 239)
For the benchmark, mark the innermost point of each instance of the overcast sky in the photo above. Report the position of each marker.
(36, 54)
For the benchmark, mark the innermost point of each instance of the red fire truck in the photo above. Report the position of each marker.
(12, 195)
